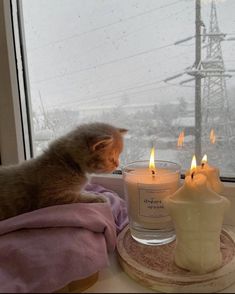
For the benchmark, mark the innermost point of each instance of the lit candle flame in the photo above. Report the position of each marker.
(204, 160)
(212, 136)
(193, 166)
(151, 161)
(180, 142)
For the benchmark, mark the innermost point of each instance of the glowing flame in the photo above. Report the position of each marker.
(180, 142)
(212, 136)
(151, 161)
(204, 159)
(193, 164)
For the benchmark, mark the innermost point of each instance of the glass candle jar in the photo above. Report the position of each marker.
(145, 190)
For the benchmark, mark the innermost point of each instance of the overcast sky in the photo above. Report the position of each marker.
(96, 53)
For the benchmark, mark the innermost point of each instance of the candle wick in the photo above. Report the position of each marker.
(203, 164)
(153, 172)
(192, 174)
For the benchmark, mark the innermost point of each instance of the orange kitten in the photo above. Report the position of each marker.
(59, 174)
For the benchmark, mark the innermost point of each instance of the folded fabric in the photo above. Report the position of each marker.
(118, 205)
(44, 250)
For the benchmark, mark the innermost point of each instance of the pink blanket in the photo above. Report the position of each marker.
(43, 250)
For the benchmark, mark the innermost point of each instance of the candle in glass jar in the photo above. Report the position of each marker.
(145, 194)
(145, 188)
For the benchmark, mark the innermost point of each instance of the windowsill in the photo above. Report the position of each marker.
(110, 181)
(113, 278)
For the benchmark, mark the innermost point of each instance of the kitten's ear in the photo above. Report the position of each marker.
(102, 143)
(123, 131)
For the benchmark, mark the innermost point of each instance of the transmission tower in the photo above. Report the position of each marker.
(212, 107)
(215, 105)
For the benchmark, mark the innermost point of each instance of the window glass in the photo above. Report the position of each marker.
(132, 63)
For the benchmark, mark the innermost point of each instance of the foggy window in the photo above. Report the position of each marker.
(132, 63)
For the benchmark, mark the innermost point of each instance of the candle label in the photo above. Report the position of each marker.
(150, 201)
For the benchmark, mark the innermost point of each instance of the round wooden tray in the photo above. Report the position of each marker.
(154, 267)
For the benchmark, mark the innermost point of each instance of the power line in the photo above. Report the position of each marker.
(104, 43)
(106, 63)
(105, 26)
(102, 64)
(119, 92)
(159, 20)
(111, 77)
(136, 92)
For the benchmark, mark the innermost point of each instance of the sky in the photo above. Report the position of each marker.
(99, 53)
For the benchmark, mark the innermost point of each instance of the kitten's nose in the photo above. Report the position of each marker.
(116, 162)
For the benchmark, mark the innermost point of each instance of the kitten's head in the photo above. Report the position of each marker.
(96, 147)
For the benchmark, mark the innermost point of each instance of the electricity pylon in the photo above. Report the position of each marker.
(211, 106)
(215, 105)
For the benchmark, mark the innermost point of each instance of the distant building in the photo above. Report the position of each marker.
(185, 123)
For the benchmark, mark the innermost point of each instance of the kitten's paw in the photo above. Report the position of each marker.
(92, 198)
(99, 199)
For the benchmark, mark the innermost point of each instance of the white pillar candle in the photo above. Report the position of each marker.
(212, 174)
(197, 213)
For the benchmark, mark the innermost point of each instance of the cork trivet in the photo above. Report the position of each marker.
(154, 267)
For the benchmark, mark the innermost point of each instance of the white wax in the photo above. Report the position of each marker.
(145, 193)
(212, 174)
(197, 213)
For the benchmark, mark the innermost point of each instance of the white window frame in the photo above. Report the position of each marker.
(11, 133)
(15, 116)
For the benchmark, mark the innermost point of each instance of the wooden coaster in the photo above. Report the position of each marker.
(154, 267)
